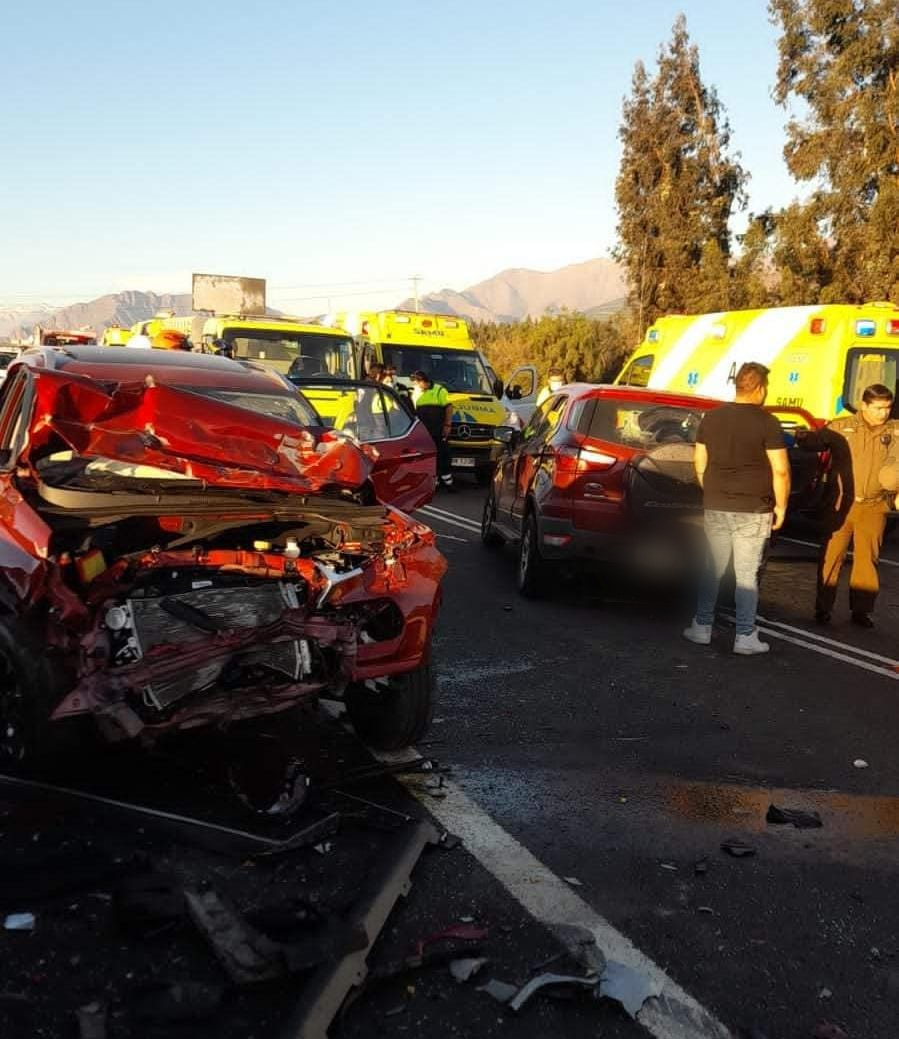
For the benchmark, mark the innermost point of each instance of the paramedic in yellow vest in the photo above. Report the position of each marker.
(555, 383)
(433, 408)
(862, 447)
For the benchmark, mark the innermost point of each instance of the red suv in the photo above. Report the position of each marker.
(183, 543)
(605, 474)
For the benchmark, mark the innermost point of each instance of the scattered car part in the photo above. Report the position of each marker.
(199, 832)
(543, 980)
(501, 991)
(19, 922)
(793, 816)
(324, 992)
(247, 956)
(629, 987)
(737, 849)
(466, 968)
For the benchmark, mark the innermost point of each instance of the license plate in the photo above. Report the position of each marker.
(464, 463)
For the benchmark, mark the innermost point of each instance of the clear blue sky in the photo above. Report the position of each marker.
(337, 148)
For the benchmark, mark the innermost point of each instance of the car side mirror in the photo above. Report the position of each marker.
(498, 388)
(514, 392)
(506, 435)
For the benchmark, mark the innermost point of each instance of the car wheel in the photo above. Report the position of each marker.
(531, 567)
(27, 736)
(392, 713)
(490, 536)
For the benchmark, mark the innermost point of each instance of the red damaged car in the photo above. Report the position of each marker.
(183, 543)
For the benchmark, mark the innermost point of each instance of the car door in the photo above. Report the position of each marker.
(808, 469)
(520, 394)
(530, 455)
(405, 469)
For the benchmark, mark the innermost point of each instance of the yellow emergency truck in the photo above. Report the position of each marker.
(285, 344)
(821, 357)
(115, 335)
(440, 345)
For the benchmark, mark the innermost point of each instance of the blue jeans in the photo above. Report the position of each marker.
(743, 536)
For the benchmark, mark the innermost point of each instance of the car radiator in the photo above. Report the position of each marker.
(184, 617)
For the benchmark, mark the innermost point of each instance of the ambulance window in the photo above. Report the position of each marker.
(865, 367)
(638, 371)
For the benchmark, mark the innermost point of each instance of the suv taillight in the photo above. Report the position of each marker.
(572, 462)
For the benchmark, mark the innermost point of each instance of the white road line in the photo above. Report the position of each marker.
(467, 525)
(814, 544)
(877, 669)
(453, 515)
(675, 1014)
(452, 537)
(831, 642)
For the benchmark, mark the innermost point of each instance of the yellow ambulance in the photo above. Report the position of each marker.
(285, 344)
(821, 357)
(440, 345)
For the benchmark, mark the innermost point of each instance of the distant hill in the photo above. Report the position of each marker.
(595, 287)
(120, 308)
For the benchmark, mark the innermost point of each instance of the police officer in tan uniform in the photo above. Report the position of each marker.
(862, 446)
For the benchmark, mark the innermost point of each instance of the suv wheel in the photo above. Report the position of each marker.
(392, 713)
(490, 536)
(531, 567)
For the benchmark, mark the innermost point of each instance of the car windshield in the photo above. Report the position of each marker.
(460, 371)
(275, 405)
(314, 354)
(644, 424)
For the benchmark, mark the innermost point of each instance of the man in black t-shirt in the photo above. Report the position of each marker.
(741, 464)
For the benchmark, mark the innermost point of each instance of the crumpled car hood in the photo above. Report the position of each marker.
(187, 433)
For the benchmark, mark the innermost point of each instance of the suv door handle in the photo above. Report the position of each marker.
(410, 453)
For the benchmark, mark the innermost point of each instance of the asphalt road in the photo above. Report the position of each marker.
(593, 763)
(622, 756)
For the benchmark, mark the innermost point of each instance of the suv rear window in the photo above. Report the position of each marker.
(643, 424)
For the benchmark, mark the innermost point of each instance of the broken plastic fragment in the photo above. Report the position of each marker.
(19, 922)
(737, 848)
(860, 763)
(631, 988)
(801, 820)
(573, 881)
(501, 991)
(542, 980)
(465, 969)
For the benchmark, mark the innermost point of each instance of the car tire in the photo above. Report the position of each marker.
(490, 536)
(28, 739)
(393, 712)
(531, 566)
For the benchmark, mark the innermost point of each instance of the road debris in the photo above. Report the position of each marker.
(19, 922)
(465, 969)
(501, 991)
(573, 881)
(793, 816)
(701, 867)
(705, 909)
(737, 849)
(464, 932)
(825, 993)
(860, 763)
(91, 1020)
(544, 980)
(246, 955)
(670, 866)
(631, 988)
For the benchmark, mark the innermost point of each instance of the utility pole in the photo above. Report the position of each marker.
(416, 278)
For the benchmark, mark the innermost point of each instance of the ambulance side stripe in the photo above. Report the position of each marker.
(762, 340)
(676, 357)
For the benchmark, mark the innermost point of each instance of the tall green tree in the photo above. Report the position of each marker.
(677, 187)
(839, 59)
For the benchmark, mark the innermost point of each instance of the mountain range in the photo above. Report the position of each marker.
(595, 287)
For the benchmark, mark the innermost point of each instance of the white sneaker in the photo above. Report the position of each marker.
(701, 634)
(750, 645)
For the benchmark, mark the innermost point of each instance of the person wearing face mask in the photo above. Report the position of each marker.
(861, 448)
(555, 383)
